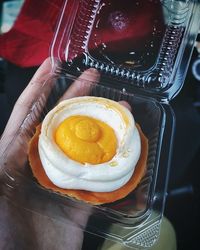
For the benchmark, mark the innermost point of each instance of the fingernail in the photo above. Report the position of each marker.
(92, 72)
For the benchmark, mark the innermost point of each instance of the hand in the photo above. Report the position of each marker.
(20, 227)
(29, 95)
(38, 230)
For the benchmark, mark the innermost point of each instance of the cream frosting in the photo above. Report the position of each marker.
(105, 177)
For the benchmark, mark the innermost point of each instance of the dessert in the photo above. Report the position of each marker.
(89, 148)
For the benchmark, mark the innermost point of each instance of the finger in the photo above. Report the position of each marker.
(24, 103)
(34, 87)
(82, 85)
(126, 104)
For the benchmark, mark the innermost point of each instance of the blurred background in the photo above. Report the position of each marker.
(182, 206)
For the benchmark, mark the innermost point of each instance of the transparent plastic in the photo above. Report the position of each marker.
(140, 43)
(145, 71)
(131, 215)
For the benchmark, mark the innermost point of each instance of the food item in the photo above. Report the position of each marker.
(89, 148)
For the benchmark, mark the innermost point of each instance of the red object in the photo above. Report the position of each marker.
(27, 43)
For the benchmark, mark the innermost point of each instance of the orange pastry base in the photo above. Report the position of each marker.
(87, 196)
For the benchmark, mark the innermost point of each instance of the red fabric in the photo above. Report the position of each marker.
(27, 43)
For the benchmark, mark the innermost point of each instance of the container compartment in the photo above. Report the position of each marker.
(19, 184)
(128, 36)
(139, 42)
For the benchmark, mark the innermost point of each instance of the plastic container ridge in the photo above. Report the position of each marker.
(143, 45)
(141, 49)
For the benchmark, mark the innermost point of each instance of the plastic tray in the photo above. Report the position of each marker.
(145, 44)
(131, 214)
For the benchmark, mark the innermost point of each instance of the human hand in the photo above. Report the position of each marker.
(40, 230)
(43, 228)
(33, 90)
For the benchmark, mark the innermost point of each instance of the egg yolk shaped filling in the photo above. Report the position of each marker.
(86, 140)
(89, 143)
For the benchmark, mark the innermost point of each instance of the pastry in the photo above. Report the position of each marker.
(89, 148)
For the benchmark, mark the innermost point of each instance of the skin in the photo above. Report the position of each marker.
(21, 227)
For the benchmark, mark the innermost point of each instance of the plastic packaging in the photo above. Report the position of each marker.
(146, 81)
(145, 46)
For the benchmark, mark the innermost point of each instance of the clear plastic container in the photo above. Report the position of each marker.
(147, 76)
(146, 45)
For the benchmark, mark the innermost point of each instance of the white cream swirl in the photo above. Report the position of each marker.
(105, 177)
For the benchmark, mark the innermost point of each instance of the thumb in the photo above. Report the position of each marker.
(24, 103)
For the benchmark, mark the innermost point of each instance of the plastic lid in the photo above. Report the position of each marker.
(140, 44)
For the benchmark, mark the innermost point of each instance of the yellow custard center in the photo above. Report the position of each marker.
(86, 140)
